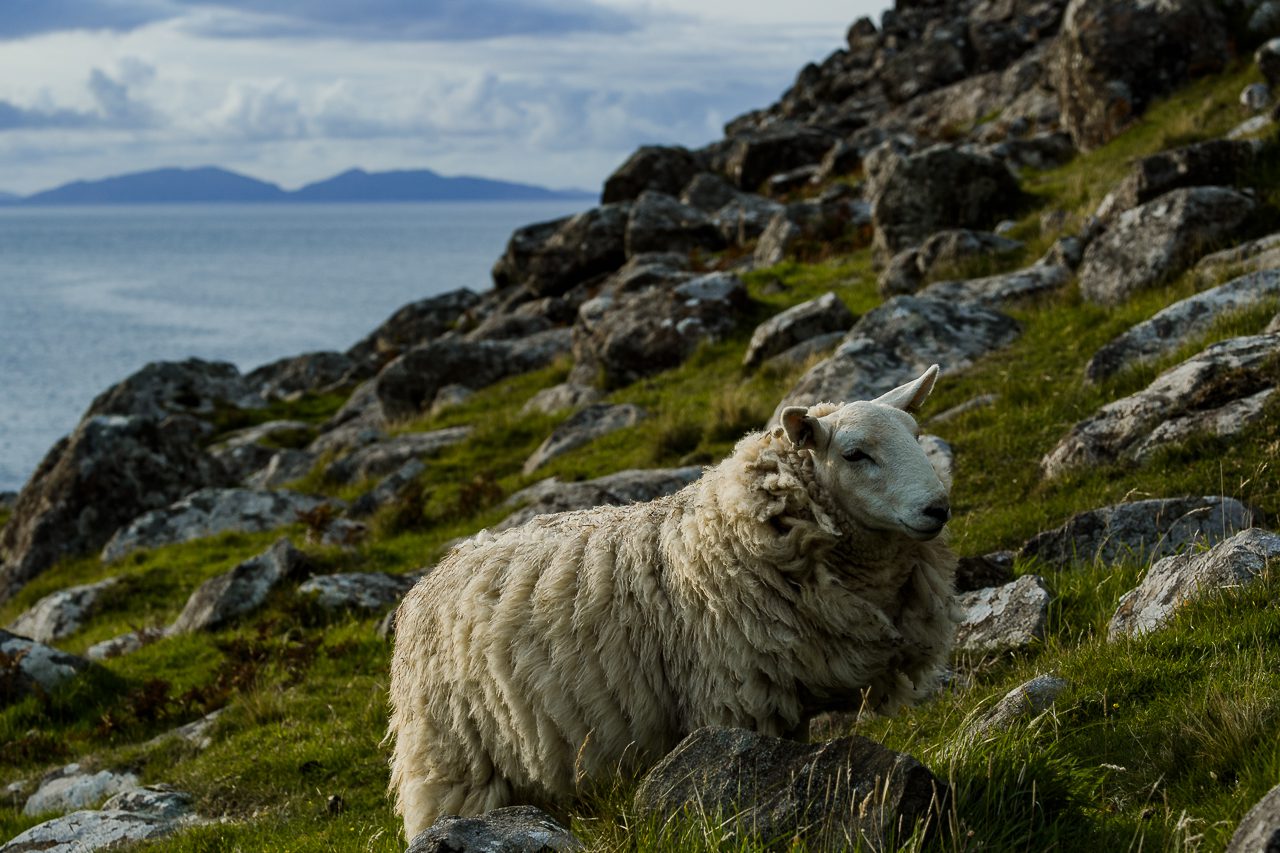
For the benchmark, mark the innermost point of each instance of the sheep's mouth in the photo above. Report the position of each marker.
(923, 533)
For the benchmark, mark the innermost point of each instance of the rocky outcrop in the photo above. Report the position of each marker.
(1219, 392)
(74, 787)
(209, 512)
(559, 398)
(62, 613)
(1181, 323)
(900, 340)
(661, 168)
(515, 829)
(396, 485)
(1218, 162)
(1149, 244)
(309, 373)
(838, 794)
(1002, 618)
(1177, 580)
(624, 487)
(242, 590)
(581, 428)
(550, 258)
(413, 325)
(104, 475)
(162, 388)
(1253, 256)
(384, 457)
(1140, 530)
(368, 591)
(753, 157)
(1114, 58)
(1003, 288)
(661, 223)
(795, 325)
(911, 269)
(137, 815)
(27, 666)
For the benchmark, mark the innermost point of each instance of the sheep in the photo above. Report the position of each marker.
(804, 573)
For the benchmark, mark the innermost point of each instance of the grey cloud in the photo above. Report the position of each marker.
(116, 106)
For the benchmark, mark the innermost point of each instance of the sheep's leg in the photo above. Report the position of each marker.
(422, 801)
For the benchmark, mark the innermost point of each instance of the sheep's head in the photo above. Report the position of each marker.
(866, 455)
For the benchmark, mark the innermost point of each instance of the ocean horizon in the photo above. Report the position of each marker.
(93, 293)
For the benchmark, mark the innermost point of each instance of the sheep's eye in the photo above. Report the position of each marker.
(857, 456)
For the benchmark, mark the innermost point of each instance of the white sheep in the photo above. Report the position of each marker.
(803, 573)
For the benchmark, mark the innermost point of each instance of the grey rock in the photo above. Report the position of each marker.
(797, 324)
(754, 157)
(1259, 830)
(1065, 252)
(284, 467)
(448, 397)
(1140, 530)
(198, 733)
(1252, 129)
(1153, 242)
(1253, 256)
(1218, 162)
(550, 258)
(940, 454)
(837, 795)
(73, 787)
(340, 533)
(386, 629)
(1255, 97)
(362, 411)
(1273, 328)
(1022, 702)
(661, 223)
(1002, 618)
(373, 591)
(413, 325)
(911, 268)
(123, 644)
(1264, 21)
(985, 571)
(801, 353)
(1181, 322)
(981, 401)
(559, 398)
(708, 192)
(1202, 392)
(1113, 59)
(1000, 289)
(246, 451)
(1041, 151)
(623, 487)
(60, 614)
(925, 64)
(242, 590)
(308, 373)
(209, 512)
(1268, 59)
(158, 801)
(898, 341)
(408, 385)
(784, 182)
(384, 457)
(648, 270)
(662, 168)
(776, 240)
(162, 388)
(515, 829)
(746, 218)
(130, 817)
(1179, 579)
(393, 487)
(104, 475)
(585, 426)
(29, 666)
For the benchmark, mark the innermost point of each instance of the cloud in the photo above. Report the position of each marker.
(24, 18)
(116, 107)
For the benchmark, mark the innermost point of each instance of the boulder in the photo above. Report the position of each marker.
(309, 373)
(1252, 128)
(624, 487)
(619, 339)
(129, 817)
(925, 64)
(104, 475)
(62, 613)
(754, 157)
(371, 591)
(560, 398)
(29, 666)
(198, 732)
(1149, 244)
(396, 485)
(800, 354)
(1253, 256)
(940, 455)
(1115, 58)
(409, 384)
(797, 324)
(898, 341)
(912, 268)
(776, 241)
(1259, 830)
(162, 388)
(384, 457)
(984, 571)
(550, 258)
(837, 795)
(661, 223)
(999, 289)
(581, 428)
(941, 187)
(831, 217)
(747, 217)
(708, 192)
(1139, 530)
(1177, 580)
(124, 644)
(1022, 702)
(413, 325)
(1041, 151)
(1255, 97)
(515, 829)
(1268, 59)
(1218, 391)
(73, 787)
(283, 467)
(242, 590)
(360, 414)
(209, 512)
(661, 168)
(1180, 323)
(245, 452)
(1003, 618)
(1218, 162)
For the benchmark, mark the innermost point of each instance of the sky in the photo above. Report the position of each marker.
(552, 92)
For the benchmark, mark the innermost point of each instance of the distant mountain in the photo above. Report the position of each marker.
(8, 198)
(211, 184)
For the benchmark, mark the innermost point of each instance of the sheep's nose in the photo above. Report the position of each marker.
(939, 512)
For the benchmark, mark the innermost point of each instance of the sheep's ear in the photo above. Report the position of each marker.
(911, 397)
(803, 429)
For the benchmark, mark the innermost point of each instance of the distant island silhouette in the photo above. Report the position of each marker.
(212, 184)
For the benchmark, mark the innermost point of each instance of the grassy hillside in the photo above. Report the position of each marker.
(1159, 743)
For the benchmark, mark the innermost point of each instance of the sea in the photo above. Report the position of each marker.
(88, 295)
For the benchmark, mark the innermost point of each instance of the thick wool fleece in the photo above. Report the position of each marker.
(587, 643)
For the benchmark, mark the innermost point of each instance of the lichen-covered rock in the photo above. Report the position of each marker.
(1259, 830)
(162, 388)
(247, 451)
(661, 168)
(550, 258)
(1114, 58)
(912, 268)
(1002, 30)
(74, 787)
(623, 487)
(1181, 322)
(198, 733)
(1001, 618)
(357, 590)
(1024, 701)
(241, 590)
(123, 644)
(131, 816)
(515, 829)
(984, 571)
(661, 223)
(582, 427)
(796, 324)
(27, 666)
(897, 341)
(1148, 244)
(837, 795)
(413, 325)
(1140, 530)
(311, 372)
(559, 398)
(1253, 256)
(392, 487)
(209, 512)
(1218, 162)
(384, 457)
(754, 157)
(104, 475)
(1268, 59)
(283, 467)
(1216, 391)
(1004, 287)
(60, 614)
(1179, 579)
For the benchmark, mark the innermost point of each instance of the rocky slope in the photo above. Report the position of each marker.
(1063, 204)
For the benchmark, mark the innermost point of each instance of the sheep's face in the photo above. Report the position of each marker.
(866, 455)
